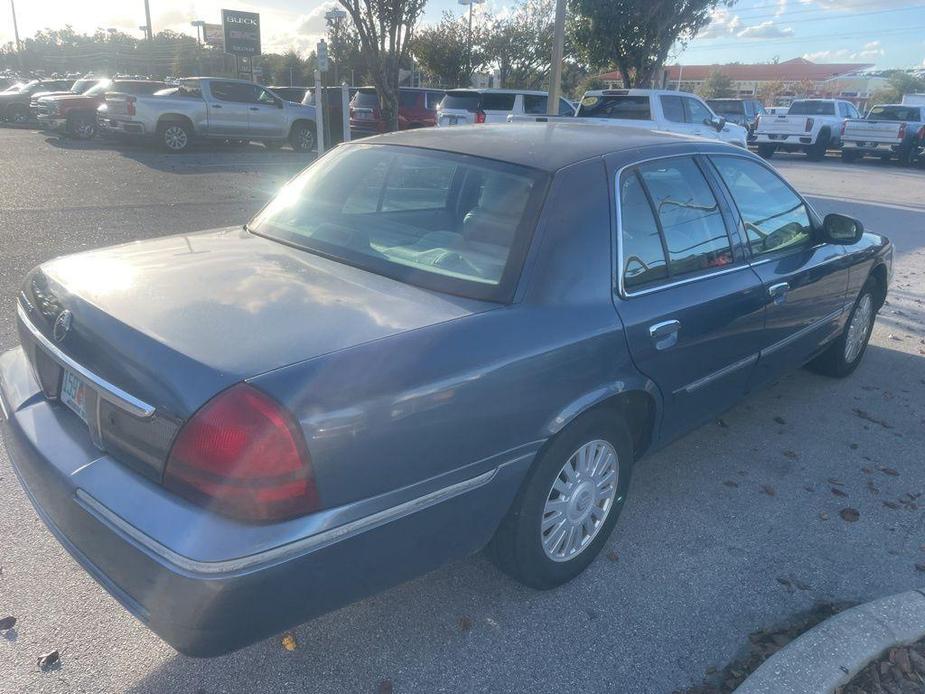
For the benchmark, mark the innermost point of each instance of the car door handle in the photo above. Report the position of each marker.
(665, 334)
(778, 292)
(216, 106)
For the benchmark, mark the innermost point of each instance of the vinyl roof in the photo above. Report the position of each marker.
(544, 146)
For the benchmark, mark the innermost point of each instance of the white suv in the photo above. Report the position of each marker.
(464, 106)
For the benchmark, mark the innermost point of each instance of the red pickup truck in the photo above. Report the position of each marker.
(76, 114)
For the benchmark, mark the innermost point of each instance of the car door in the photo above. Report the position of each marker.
(697, 116)
(805, 281)
(229, 108)
(267, 115)
(674, 115)
(692, 307)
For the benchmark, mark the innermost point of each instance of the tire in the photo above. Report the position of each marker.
(174, 137)
(905, 156)
(816, 151)
(842, 357)
(18, 113)
(850, 156)
(273, 144)
(519, 548)
(302, 137)
(766, 151)
(81, 127)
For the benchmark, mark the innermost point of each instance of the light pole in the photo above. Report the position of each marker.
(200, 27)
(148, 33)
(334, 17)
(558, 48)
(16, 32)
(470, 3)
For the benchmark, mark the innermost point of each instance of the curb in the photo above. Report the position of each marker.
(830, 654)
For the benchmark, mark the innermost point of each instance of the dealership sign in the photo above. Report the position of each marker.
(242, 32)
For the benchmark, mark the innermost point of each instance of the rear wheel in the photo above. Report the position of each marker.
(174, 137)
(905, 156)
(850, 156)
(302, 137)
(816, 152)
(82, 127)
(18, 114)
(569, 503)
(844, 354)
(766, 151)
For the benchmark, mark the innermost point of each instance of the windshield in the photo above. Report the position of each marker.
(100, 88)
(812, 108)
(727, 108)
(448, 222)
(80, 86)
(615, 106)
(898, 113)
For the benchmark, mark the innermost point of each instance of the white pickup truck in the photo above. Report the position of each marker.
(212, 108)
(888, 130)
(811, 125)
(653, 109)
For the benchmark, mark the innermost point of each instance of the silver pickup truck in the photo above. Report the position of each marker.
(213, 108)
(889, 130)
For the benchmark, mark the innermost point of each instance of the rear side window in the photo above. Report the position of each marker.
(622, 106)
(498, 102)
(462, 101)
(673, 108)
(689, 233)
(408, 99)
(535, 104)
(775, 217)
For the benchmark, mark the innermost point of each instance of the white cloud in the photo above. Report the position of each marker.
(855, 5)
(781, 7)
(765, 30)
(869, 52)
(722, 23)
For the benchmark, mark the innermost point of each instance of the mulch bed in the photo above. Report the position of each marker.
(898, 671)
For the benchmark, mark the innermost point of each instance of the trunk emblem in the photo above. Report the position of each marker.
(62, 325)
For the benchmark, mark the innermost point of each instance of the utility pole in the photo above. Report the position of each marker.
(148, 33)
(16, 33)
(470, 3)
(558, 48)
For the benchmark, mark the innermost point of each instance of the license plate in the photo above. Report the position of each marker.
(74, 394)
(364, 116)
(452, 120)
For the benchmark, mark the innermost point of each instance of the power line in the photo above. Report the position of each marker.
(785, 19)
(812, 37)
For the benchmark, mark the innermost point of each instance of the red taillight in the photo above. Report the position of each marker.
(921, 134)
(809, 124)
(130, 105)
(242, 455)
(480, 116)
(902, 131)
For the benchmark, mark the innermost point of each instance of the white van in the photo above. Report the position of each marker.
(465, 106)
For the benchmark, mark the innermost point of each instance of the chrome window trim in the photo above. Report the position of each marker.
(621, 290)
(290, 550)
(103, 388)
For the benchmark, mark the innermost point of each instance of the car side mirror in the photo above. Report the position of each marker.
(841, 229)
(716, 122)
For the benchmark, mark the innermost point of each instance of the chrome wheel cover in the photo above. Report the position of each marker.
(579, 501)
(175, 137)
(85, 129)
(306, 139)
(859, 328)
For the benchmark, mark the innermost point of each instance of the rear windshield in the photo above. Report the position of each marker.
(497, 102)
(366, 98)
(463, 101)
(812, 108)
(729, 108)
(905, 113)
(619, 106)
(444, 221)
(101, 87)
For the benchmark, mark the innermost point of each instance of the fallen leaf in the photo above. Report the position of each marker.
(834, 481)
(768, 489)
(780, 420)
(838, 492)
(612, 555)
(823, 515)
(867, 470)
(7, 623)
(889, 471)
(872, 487)
(731, 483)
(289, 642)
(46, 660)
(920, 567)
(783, 581)
(891, 504)
(465, 623)
(384, 687)
(849, 514)
(793, 455)
(870, 418)
(853, 446)
(809, 487)
(800, 584)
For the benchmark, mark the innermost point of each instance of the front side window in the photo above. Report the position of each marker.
(566, 108)
(264, 97)
(444, 221)
(672, 108)
(233, 91)
(775, 218)
(697, 113)
(615, 106)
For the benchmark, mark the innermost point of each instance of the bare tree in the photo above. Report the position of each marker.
(386, 30)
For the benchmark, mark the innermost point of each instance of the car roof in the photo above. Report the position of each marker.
(537, 145)
(637, 92)
(498, 91)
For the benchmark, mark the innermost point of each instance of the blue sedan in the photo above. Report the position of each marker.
(428, 343)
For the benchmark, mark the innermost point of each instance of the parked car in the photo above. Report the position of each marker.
(79, 87)
(417, 108)
(914, 100)
(333, 111)
(293, 94)
(744, 112)
(212, 108)
(888, 130)
(670, 111)
(14, 105)
(811, 125)
(236, 430)
(464, 106)
(76, 114)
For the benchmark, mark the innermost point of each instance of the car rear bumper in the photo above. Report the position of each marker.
(207, 604)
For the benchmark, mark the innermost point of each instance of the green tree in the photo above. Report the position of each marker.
(442, 50)
(769, 91)
(636, 35)
(386, 30)
(717, 85)
(344, 51)
(519, 44)
(899, 84)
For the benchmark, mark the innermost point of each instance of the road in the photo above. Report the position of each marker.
(735, 528)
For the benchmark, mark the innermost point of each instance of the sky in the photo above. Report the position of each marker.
(888, 33)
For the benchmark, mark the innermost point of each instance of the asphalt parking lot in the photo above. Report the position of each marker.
(733, 529)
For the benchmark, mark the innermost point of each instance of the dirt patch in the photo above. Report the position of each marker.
(897, 671)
